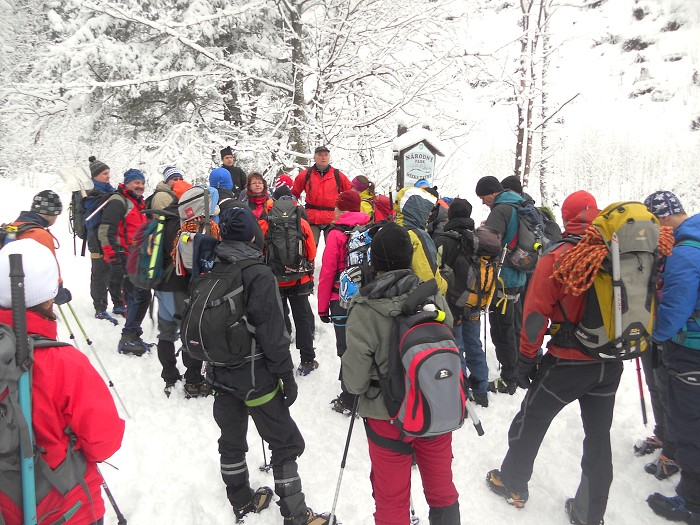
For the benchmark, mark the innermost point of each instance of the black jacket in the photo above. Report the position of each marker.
(238, 177)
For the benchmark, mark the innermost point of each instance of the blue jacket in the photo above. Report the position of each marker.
(503, 218)
(680, 295)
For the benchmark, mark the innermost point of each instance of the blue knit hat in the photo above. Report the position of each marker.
(238, 224)
(133, 174)
(220, 178)
(663, 204)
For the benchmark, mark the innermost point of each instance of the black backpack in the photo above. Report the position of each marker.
(76, 215)
(284, 242)
(214, 325)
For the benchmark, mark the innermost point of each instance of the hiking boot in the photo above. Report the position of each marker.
(673, 509)
(106, 317)
(662, 468)
(569, 508)
(306, 367)
(169, 387)
(119, 310)
(311, 518)
(132, 344)
(340, 406)
(481, 399)
(261, 500)
(197, 389)
(647, 446)
(502, 386)
(494, 482)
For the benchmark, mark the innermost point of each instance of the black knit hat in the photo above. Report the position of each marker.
(391, 249)
(513, 183)
(487, 186)
(96, 167)
(47, 202)
(282, 191)
(459, 208)
(238, 224)
(226, 151)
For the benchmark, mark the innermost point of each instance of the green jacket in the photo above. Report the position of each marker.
(368, 336)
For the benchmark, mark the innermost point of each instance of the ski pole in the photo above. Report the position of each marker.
(345, 456)
(121, 520)
(641, 393)
(99, 361)
(475, 418)
(414, 519)
(23, 361)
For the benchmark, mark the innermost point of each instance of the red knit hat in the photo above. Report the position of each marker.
(577, 203)
(348, 201)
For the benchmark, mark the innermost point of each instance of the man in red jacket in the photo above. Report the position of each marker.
(70, 402)
(565, 375)
(322, 184)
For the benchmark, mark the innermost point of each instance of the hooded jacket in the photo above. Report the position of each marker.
(501, 219)
(162, 197)
(67, 392)
(680, 294)
(543, 301)
(322, 190)
(413, 206)
(368, 335)
(335, 257)
(264, 312)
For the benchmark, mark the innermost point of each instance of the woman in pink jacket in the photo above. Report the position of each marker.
(347, 216)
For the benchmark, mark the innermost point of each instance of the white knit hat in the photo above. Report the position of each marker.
(40, 272)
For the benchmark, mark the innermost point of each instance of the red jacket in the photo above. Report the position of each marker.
(542, 301)
(121, 217)
(67, 392)
(321, 192)
(335, 258)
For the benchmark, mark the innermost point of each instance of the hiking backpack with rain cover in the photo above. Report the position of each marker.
(144, 264)
(620, 302)
(284, 242)
(195, 246)
(214, 324)
(424, 389)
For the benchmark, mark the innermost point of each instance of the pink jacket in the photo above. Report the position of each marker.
(334, 257)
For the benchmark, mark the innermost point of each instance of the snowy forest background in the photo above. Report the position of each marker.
(601, 95)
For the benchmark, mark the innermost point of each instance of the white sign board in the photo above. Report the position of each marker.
(418, 163)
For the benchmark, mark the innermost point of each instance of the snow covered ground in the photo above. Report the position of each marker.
(168, 466)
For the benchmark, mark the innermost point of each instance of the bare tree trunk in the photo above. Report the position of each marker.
(296, 138)
(544, 140)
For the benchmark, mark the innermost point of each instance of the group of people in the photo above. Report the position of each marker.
(418, 238)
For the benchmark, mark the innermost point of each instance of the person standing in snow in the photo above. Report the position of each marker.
(677, 332)
(322, 184)
(369, 335)
(566, 374)
(263, 389)
(347, 216)
(121, 217)
(72, 407)
(237, 175)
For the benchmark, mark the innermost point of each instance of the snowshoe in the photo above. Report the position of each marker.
(494, 482)
(662, 468)
(341, 406)
(673, 509)
(306, 367)
(261, 500)
(106, 317)
(647, 446)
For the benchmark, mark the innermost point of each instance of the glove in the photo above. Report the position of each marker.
(325, 318)
(289, 389)
(526, 367)
(63, 296)
(108, 254)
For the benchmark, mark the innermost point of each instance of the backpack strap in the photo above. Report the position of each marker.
(431, 262)
(336, 174)
(395, 445)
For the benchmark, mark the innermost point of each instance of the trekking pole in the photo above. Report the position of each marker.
(121, 520)
(475, 418)
(71, 335)
(415, 520)
(23, 359)
(265, 467)
(99, 361)
(345, 456)
(617, 303)
(641, 393)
